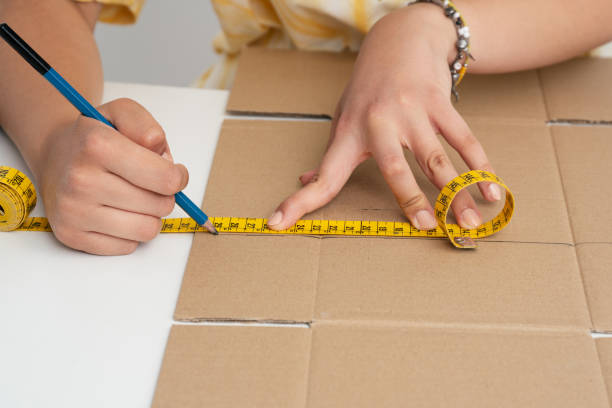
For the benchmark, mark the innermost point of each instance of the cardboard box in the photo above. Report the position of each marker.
(402, 322)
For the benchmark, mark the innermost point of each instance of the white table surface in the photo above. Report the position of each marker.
(79, 330)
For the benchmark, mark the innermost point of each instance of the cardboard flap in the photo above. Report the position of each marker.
(257, 165)
(232, 366)
(368, 366)
(249, 278)
(371, 366)
(584, 153)
(579, 90)
(604, 347)
(299, 83)
(584, 162)
(510, 284)
(286, 82)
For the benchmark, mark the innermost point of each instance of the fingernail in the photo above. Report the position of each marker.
(275, 218)
(470, 219)
(494, 192)
(425, 220)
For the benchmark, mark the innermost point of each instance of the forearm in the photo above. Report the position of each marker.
(523, 34)
(30, 108)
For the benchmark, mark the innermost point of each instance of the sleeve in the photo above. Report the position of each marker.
(118, 11)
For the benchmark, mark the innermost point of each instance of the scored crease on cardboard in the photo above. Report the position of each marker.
(397, 322)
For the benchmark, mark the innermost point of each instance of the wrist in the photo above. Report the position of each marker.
(433, 27)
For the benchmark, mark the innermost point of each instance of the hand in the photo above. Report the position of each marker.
(398, 97)
(105, 190)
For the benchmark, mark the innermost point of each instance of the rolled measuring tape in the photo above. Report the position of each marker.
(18, 198)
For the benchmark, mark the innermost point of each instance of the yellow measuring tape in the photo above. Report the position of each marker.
(18, 198)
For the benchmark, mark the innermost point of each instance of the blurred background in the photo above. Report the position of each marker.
(169, 45)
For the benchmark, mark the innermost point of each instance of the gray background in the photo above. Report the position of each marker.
(171, 44)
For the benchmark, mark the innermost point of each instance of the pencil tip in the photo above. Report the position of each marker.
(210, 227)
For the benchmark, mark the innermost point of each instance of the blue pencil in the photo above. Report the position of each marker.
(40, 65)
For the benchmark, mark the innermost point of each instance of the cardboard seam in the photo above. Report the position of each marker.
(324, 237)
(463, 327)
(309, 368)
(603, 376)
(239, 114)
(546, 107)
(578, 122)
(316, 283)
(242, 324)
(221, 320)
(584, 290)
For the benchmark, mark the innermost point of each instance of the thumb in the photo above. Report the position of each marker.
(336, 167)
(308, 177)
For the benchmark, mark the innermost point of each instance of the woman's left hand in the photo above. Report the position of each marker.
(398, 98)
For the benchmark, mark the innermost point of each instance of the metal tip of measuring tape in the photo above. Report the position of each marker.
(465, 242)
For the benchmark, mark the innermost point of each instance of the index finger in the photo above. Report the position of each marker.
(136, 164)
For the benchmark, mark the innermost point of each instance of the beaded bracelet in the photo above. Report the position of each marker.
(459, 65)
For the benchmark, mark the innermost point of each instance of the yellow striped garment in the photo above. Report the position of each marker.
(325, 25)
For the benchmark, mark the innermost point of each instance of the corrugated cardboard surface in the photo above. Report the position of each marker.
(579, 90)
(398, 322)
(234, 367)
(326, 75)
(304, 278)
(293, 83)
(348, 365)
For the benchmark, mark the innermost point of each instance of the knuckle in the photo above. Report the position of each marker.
(437, 161)
(154, 137)
(415, 201)
(376, 114)
(77, 181)
(95, 143)
(467, 141)
(406, 99)
(326, 190)
(64, 209)
(122, 102)
(392, 166)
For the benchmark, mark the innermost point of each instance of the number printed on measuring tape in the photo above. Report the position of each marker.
(18, 198)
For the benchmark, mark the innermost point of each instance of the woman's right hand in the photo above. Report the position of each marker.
(105, 190)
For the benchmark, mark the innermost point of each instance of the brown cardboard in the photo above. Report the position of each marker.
(595, 262)
(402, 322)
(533, 284)
(220, 366)
(604, 347)
(289, 82)
(579, 90)
(353, 365)
(262, 160)
(584, 153)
